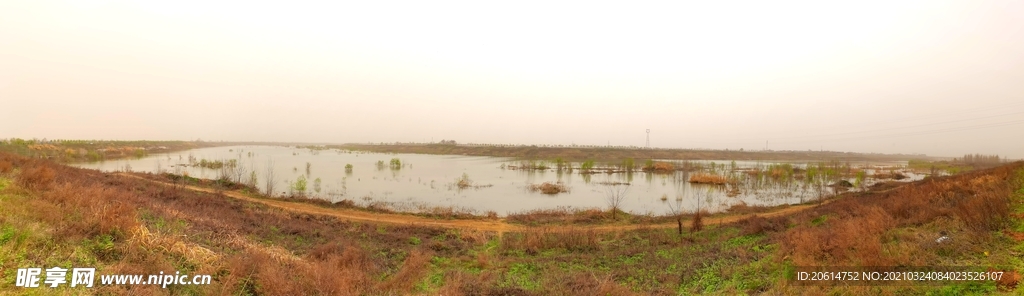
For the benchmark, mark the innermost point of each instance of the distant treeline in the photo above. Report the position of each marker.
(979, 159)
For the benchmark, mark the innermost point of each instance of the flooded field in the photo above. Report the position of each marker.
(417, 182)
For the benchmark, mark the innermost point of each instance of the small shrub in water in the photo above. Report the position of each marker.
(549, 188)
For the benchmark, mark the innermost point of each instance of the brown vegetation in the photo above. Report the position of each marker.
(36, 177)
(697, 221)
(257, 248)
(5, 166)
(533, 242)
(1009, 281)
(660, 167)
(463, 183)
(96, 150)
(853, 231)
(253, 249)
(561, 215)
(743, 208)
(707, 178)
(549, 188)
(758, 225)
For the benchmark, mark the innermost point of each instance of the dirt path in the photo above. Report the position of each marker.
(499, 226)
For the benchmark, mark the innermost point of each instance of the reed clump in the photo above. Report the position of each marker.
(708, 178)
(464, 182)
(660, 167)
(549, 188)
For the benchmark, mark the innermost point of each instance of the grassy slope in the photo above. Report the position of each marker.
(54, 215)
(96, 150)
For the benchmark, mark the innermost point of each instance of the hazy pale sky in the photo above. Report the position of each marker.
(937, 77)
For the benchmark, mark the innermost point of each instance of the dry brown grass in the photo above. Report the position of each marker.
(582, 283)
(545, 238)
(660, 167)
(6, 166)
(266, 251)
(36, 177)
(855, 231)
(549, 188)
(743, 208)
(1009, 281)
(463, 183)
(759, 225)
(252, 249)
(697, 221)
(706, 178)
(561, 215)
(414, 267)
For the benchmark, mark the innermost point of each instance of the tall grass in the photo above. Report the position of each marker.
(546, 238)
(707, 178)
(659, 167)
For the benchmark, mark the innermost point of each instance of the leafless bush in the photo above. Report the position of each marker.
(239, 172)
(253, 177)
(704, 197)
(676, 210)
(616, 195)
(269, 178)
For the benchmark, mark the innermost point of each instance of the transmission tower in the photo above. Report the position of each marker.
(648, 144)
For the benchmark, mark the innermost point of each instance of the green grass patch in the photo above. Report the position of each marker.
(431, 282)
(820, 220)
(744, 241)
(28, 243)
(521, 275)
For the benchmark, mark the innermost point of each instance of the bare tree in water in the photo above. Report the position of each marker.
(269, 179)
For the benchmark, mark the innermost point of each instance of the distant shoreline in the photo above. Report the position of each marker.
(608, 154)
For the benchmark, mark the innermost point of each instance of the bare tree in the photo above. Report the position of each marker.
(180, 183)
(223, 177)
(224, 173)
(269, 178)
(676, 207)
(703, 197)
(253, 176)
(616, 195)
(676, 210)
(238, 170)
